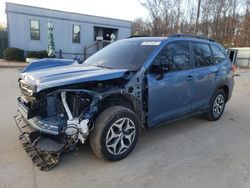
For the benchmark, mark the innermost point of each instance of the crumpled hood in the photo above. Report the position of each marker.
(69, 74)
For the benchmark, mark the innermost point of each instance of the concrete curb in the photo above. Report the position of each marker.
(11, 64)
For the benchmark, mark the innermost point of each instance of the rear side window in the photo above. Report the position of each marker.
(219, 56)
(202, 55)
(174, 56)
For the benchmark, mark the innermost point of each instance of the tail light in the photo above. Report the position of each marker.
(234, 67)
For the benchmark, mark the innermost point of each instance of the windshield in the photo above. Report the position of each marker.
(123, 54)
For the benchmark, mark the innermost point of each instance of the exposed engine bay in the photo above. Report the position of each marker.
(59, 117)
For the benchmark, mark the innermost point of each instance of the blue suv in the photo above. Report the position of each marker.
(129, 85)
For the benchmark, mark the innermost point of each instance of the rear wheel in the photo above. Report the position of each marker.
(115, 133)
(217, 106)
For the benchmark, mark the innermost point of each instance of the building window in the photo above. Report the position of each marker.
(34, 30)
(76, 34)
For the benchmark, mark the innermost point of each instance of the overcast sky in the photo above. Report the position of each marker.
(122, 9)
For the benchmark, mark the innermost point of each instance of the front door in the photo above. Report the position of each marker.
(171, 94)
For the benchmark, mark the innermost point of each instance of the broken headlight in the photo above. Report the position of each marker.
(26, 89)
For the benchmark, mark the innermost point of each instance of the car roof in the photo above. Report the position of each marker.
(141, 39)
(174, 37)
(178, 37)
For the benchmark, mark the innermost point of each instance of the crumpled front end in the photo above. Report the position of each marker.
(54, 120)
(58, 106)
(52, 123)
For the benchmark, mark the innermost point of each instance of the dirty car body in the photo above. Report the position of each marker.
(61, 100)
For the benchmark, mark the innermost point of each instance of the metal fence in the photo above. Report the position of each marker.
(3, 42)
(93, 48)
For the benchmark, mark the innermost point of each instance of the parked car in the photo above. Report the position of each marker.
(129, 85)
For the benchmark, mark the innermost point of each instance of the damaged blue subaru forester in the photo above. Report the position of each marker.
(129, 85)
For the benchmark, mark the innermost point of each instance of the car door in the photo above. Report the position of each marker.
(170, 83)
(205, 74)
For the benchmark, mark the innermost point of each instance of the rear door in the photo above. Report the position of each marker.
(206, 73)
(171, 95)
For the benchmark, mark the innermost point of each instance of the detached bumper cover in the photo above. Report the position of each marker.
(44, 160)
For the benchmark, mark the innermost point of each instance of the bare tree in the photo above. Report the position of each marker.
(243, 36)
(140, 27)
(154, 8)
(197, 16)
(165, 16)
(227, 21)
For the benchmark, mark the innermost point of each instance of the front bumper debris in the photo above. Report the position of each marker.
(43, 151)
(48, 125)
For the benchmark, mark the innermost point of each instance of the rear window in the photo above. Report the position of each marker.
(219, 56)
(202, 55)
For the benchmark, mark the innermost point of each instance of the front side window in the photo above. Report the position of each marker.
(175, 56)
(76, 34)
(202, 55)
(219, 56)
(34, 30)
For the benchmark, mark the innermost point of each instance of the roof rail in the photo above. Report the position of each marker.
(135, 36)
(192, 36)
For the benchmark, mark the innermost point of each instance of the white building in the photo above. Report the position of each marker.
(243, 56)
(27, 29)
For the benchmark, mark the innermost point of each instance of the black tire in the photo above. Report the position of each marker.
(211, 115)
(105, 127)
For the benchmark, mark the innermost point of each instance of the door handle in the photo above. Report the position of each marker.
(189, 78)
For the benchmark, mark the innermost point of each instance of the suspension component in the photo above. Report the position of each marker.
(76, 128)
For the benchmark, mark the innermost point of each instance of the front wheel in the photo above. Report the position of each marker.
(115, 134)
(217, 106)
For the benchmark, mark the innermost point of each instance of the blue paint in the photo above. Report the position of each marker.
(178, 93)
(47, 63)
(49, 73)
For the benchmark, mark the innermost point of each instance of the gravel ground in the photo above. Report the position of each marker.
(190, 153)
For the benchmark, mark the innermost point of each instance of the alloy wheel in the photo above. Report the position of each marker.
(120, 136)
(218, 105)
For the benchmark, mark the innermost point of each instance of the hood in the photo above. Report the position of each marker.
(48, 63)
(68, 74)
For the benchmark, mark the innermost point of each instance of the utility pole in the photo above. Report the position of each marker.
(197, 17)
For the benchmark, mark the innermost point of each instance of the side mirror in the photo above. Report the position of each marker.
(162, 69)
(159, 71)
(78, 59)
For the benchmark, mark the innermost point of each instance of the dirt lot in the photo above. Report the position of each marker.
(190, 153)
